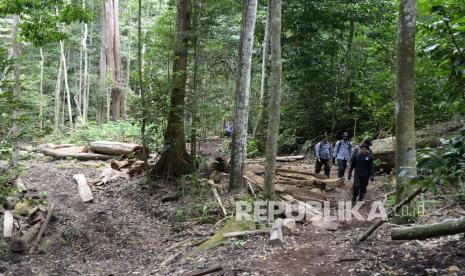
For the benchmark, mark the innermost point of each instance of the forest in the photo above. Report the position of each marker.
(227, 137)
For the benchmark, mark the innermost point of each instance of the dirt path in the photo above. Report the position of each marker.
(128, 231)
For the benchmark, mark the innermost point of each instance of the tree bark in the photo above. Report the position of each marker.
(194, 115)
(102, 73)
(16, 90)
(111, 60)
(85, 78)
(275, 98)
(404, 111)
(259, 131)
(58, 98)
(239, 139)
(41, 89)
(65, 75)
(175, 160)
(141, 85)
(128, 56)
(422, 232)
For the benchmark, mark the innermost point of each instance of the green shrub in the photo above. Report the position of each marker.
(444, 166)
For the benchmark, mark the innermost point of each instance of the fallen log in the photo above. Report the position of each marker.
(300, 193)
(383, 149)
(76, 153)
(292, 171)
(289, 158)
(203, 271)
(422, 232)
(276, 235)
(84, 190)
(246, 233)
(118, 165)
(42, 229)
(113, 148)
(305, 183)
(8, 224)
(391, 213)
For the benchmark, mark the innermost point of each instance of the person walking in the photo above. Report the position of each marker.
(342, 152)
(364, 171)
(323, 156)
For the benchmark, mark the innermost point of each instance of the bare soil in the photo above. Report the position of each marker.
(128, 230)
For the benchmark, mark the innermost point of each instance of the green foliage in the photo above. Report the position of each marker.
(444, 166)
(114, 131)
(252, 148)
(287, 141)
(181, 215)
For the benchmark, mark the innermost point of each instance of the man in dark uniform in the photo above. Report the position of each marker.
(363, 166)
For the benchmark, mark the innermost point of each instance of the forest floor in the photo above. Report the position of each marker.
(128, 230)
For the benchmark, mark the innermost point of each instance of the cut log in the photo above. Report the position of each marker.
(84, 190)
(8, 224)
(292, 171)
(217, 196)
(276, 235)
(42, 229)
(422, 232)
(246, 233)
(204, 271)
(113, 148)
(118, 165)
(76, 153)
(53, 146)
(383, 149)
(302, 183)
(391, 213)
(300, 193)
(289, 158)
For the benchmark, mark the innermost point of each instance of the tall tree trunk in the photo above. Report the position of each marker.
(239, 139)
(128, 56)
(65, 75)
(405, 85)
(175, 160)
(259, 131)
(194, 123)
(112, 56)
(102, 73)
(85, 77)
(41, 89)
(58, 98)
(141, 84)
(16, 90)
(275, 98)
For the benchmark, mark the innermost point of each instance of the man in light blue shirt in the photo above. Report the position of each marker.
(323, 156)
(342, 153)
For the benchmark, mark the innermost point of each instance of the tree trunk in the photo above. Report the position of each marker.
(404, 113)
(85, 78)
(194, 123)
(16, 90)
(58, 98)
(422, 232)
(128, 56)
(41, 89)
(110, 61)
(65, 75)
(175, 160)
(259, 131)
(102, 74)
(141, 85)
(275, 97)
(239, 139)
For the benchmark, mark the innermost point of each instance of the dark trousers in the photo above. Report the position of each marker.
(341, 167)
(359, 187)
(327, 166)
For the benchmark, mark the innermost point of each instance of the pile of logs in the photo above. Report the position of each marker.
(301, 185)
(126, 157)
